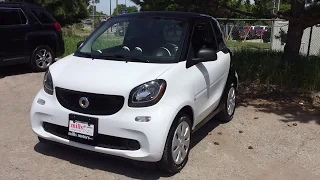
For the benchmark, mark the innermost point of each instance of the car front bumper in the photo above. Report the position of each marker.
(150, 135)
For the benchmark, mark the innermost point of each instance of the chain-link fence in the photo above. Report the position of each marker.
(247, 33)
(267, 34)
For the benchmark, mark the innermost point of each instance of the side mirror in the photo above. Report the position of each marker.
(206, 54)
(79, 44)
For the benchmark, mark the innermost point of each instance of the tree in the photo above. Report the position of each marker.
(301, 14)
(210, 7)
(122, 7)
(95, 1)
(65, 12)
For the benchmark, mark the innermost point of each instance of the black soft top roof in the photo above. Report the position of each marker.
(18, 5)
(174, 14)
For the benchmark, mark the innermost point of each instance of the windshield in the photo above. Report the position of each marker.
(135, 38)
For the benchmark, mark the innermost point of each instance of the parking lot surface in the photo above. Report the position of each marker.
(260, 143)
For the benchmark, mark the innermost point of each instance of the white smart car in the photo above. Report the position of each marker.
(141, 95)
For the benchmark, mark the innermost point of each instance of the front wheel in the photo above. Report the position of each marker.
(177, 147)
(229, 104)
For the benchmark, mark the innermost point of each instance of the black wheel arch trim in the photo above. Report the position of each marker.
(232, 78)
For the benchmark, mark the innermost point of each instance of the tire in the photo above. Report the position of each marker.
(228, 109)
(41, 58)
(41, 140)
(167, 163)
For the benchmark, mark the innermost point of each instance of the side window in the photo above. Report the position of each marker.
(43, 16)
(10, 17)
(219, 35)
(22, 17)
(203, 37)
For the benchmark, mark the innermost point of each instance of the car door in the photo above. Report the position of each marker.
(211, 75)
(13, 28)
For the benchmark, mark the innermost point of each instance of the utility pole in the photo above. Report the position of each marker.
(117, 10)
(93, 9)
(93, 5)
(110, 8)
(276, 8)
(110, 13)
(278, 5)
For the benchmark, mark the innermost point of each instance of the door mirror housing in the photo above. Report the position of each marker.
(79, 44)
(204, 55)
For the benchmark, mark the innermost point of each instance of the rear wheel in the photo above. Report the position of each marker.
(42, 57)
(229, 104)
(177, 147)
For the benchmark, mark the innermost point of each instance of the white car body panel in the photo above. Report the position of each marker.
(185, 87)
(121, 124)
(189, 87)
(103, 76)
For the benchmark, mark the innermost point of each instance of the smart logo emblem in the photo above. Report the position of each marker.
(84, 102)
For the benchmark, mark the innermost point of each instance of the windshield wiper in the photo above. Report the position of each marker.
(121, 57)
(86, 55)
(129, 58)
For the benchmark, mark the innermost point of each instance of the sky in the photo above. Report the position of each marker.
(104, 5)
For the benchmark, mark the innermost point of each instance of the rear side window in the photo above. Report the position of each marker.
(43, 16)
(202, 36)
(12, 16)
(219, 35)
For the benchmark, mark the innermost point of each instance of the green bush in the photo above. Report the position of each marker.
(71, 43)
(67, 32)
(79, 26)
(267, 67)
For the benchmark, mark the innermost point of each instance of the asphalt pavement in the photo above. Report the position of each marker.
(258, 144)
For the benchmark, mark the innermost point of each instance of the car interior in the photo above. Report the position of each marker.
(151, 38)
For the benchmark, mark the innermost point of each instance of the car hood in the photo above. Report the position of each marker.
(103, 76)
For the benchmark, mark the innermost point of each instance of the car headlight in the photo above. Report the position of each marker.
(147, 94)
(47, 83)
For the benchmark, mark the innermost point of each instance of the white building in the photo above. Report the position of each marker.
(315, 38)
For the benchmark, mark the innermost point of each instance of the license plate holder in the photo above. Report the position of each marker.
(82, 128)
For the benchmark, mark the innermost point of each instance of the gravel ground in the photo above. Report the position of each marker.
(262, 142)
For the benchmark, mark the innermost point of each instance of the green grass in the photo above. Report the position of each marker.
(237, 45)
(71, 43)
(268, 68)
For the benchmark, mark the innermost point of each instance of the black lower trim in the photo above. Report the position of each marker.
(208, 118)
(14, 60)
(101, 140)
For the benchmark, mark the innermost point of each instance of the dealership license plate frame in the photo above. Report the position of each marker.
(79, 137)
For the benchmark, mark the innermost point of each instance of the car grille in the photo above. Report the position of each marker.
(100, 104)
(103, 141)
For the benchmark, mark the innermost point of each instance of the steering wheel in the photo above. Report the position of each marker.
(172, 48)
(126, 48)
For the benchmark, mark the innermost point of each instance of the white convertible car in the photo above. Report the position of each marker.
(141, 95)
